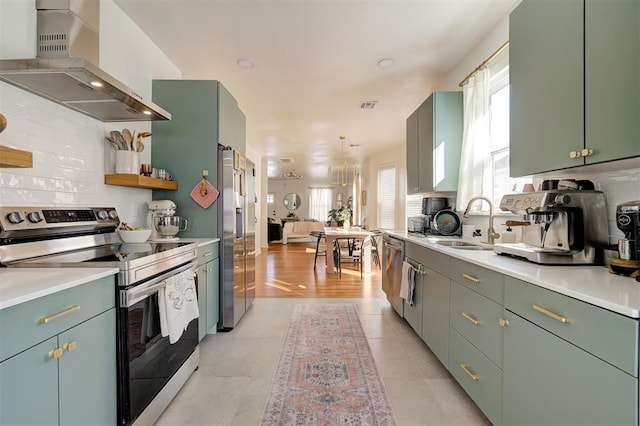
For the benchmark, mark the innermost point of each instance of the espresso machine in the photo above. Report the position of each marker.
(559, 227)
(628, 221)
(164, 223)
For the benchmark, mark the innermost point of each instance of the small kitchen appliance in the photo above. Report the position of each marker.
(559, 227)
(164, 224)
(628, 221)
(449, 222)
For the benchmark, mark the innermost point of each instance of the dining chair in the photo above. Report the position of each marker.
(375, 251)
(321, 246)
(347, 251)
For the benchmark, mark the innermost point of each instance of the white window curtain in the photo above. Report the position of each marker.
(475, 177)
(320, 203)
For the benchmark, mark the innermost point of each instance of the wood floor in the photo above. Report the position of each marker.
(287, 271)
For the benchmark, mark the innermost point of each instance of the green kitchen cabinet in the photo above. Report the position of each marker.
(434, 299)
(549, 381)
(574, 91)
(208, 289)
(204, 114)
(435, 315)
(434, 143)
(413, 311)
(62, 371)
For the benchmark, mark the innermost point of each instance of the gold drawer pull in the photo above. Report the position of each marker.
(59, 315)
(550, 314)
(208, 254)
(503, 322)
(470, 318)
(470, 277)
(469, 373)
(71, 346)
(55, 353)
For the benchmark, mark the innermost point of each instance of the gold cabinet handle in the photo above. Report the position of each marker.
(470, 277)
(59, 315)
(55, 353)
(470, 318)
(550, 314)
(71, 346)
(208, 254)
(587, 152)
(469, 373)
(503, 322)
(575, 154)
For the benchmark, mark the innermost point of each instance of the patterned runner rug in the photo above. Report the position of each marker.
(326, 374)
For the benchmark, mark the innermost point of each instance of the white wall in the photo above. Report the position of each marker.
(69, 149)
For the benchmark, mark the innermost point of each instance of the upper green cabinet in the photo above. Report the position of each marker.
(575, 95)
(434, 141)
(204, 114)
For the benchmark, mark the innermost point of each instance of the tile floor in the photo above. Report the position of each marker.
(231, 385)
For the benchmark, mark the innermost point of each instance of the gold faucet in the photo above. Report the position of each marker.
(492, 235)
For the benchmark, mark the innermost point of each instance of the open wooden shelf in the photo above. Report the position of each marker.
(11, 157)
(139, 181)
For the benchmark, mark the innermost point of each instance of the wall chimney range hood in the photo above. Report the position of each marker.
(64, 70)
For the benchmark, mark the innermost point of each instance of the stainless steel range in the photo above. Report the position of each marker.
(151, 370)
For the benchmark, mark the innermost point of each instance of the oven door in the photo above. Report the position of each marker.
(146, 360)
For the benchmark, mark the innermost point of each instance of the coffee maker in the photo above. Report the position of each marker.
(559, 227)
(628, 221)
(164, 223)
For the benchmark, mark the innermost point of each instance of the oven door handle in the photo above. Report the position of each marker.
(140, 292)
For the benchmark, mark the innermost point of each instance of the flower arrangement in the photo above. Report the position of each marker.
(340, 215)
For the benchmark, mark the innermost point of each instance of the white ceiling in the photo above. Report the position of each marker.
(315, 62)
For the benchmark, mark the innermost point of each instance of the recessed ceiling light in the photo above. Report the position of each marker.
(245, 63)
(386, 63)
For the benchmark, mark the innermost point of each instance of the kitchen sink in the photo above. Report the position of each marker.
(464, 245)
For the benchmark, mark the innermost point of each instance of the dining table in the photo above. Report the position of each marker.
(331, 233)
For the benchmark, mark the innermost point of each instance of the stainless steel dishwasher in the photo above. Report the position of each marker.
(393, 255)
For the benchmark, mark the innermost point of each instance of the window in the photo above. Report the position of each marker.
(320, 203)
(485, 152)
(271, 197)
(414, 205)
(386, 197)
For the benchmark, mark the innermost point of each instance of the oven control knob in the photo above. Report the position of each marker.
(15, 217)
(34, 217)
(102, 214)
(113, 214)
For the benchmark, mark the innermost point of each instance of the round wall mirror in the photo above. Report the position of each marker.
(292, 201)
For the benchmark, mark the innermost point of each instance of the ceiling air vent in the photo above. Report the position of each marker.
(286, 160)
(368, 104)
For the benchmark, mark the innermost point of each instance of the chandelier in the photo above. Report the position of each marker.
(342, 174)
(290, 175)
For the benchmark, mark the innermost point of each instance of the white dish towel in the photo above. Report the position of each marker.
(408, 282)
(178, 305)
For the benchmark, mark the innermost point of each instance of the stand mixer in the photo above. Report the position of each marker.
(164, 223)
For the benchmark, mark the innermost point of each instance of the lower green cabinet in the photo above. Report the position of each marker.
(478, 376)
(549, 381)
(435, 314)
(413, 311)
(68, 378)
(208, 291)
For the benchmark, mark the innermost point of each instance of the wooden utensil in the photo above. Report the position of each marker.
(128, 138)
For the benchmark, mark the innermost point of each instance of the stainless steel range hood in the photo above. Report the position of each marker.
(64, 70)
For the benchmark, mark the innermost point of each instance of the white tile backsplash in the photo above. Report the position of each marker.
(70, 158)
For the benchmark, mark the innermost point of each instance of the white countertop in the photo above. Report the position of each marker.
(591, 284)
(19, 285)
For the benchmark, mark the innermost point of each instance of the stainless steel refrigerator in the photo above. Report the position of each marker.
(236, 222)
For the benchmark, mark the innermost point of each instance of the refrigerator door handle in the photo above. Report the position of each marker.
(239, 223)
